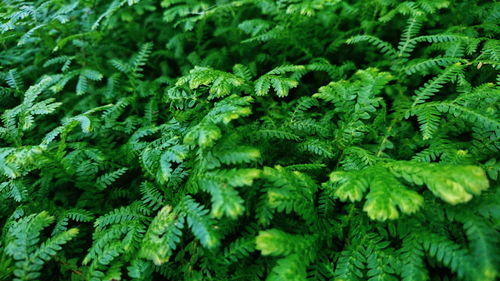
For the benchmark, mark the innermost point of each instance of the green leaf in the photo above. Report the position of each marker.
(452, 183)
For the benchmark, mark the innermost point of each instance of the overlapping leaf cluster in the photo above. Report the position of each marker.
(249, 140)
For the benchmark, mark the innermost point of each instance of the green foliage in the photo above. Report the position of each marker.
(249, 140)
(22, 239)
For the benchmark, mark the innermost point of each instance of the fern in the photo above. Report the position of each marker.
(105, 180)
(249, 140)
(162, 236)
(23, 237)
(385, 47)
(433, 86)
(201, 226)
(13, 79)
(239, 249)
(429, 63)
(221, 184)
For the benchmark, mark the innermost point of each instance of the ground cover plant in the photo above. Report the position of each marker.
(249, 140)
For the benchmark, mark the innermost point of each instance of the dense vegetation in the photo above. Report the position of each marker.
(249, 140)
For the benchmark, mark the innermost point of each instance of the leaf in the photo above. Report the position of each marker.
(275, 242)
(290, 268)
(386, 196)
(200, 224)
(162, 236)
(452, 183)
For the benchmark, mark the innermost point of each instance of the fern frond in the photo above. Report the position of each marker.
(351, 264)
(77, 215)
(452, 183)
(201, 226)
(139, 60)
(151, 196)
(412, 259)
(382, 185)
(221, 184)
(162, 236)
(292, 191)
(13, 79)
(238, 155)
(484, 244)
(239, 249)
(439, 38)
(448, 253)
(429, 118)
(50, 247)
(472, 116)
(290, 268)
(120, 215)
(277, 134)
(385, 47)
(433, 86)
(107, 179)
(426, 64)
(82, 85)
(23, 237)
(121, 65)
(278, 243)
(406, 44)
(319, 148)
(280, 84)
